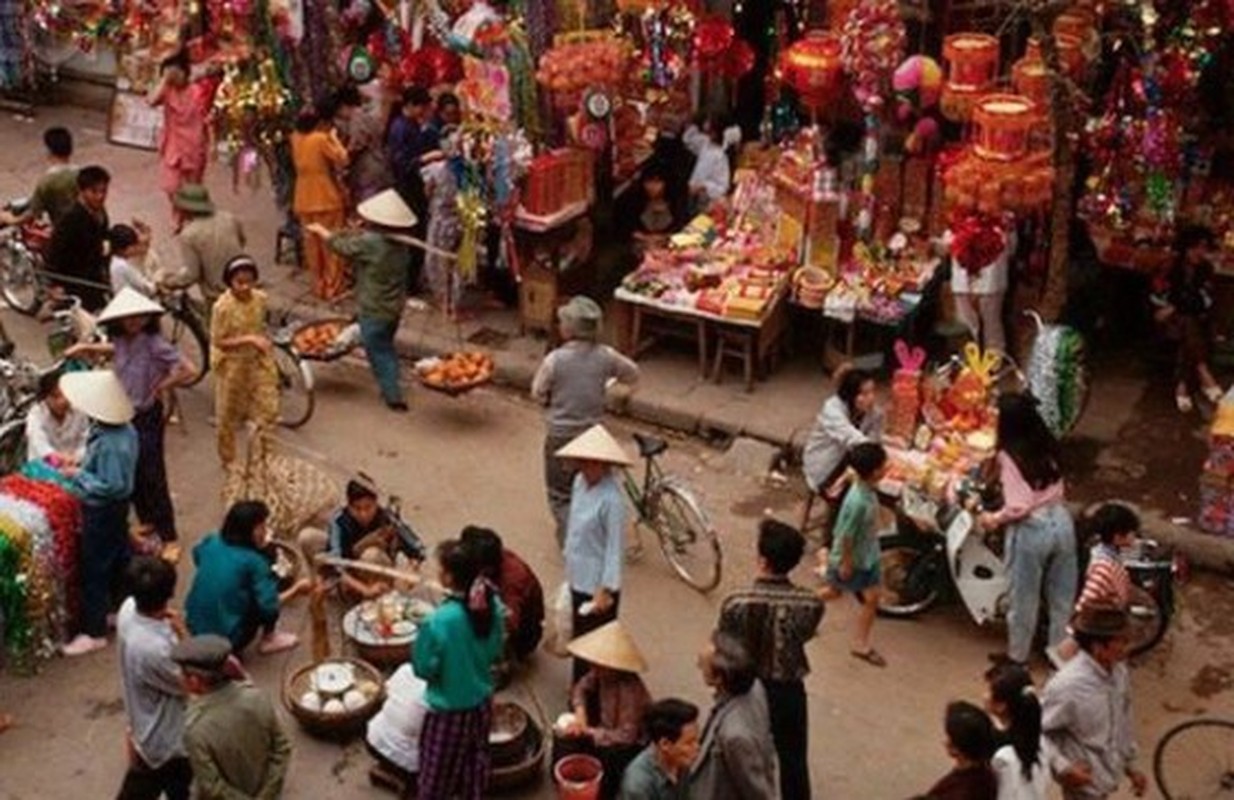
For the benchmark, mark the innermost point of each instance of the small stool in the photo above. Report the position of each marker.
(734, 345)
(289, 239)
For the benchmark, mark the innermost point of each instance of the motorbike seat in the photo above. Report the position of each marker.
(649, 446)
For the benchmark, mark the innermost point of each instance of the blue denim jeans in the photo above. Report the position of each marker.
(1040, 554)
(378, 338)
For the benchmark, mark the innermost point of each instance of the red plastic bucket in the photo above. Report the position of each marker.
(578, 777)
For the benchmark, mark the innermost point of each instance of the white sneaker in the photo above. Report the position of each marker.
(82, 645)
(277, 642)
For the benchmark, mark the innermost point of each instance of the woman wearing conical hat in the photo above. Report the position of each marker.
(610, 699)
(595, 530)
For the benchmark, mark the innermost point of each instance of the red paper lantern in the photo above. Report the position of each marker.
(972, 59)
(446, 65)
(739, 60)
(712, 38)
(812, 67)
(1001, 126)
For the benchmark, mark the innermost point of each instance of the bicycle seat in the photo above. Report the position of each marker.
(649, 446)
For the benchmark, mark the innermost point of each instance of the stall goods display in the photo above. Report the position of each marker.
(456, 372)
(392, 616)
(880, 285)
(577, 63)
(334, 697)
(326, 339)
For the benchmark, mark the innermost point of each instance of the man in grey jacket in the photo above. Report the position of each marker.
(737, 757)
(571, 381)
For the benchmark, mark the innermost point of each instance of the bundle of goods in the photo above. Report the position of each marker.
(1057, 376)
(810, 286)
(906, 391)
(578, 62)
(40, 524)
(455, 373)
(957, 421)
(326, 339)
(557, 180)
(334, 697)
(877, 283)
(1217, 480)
(631, 145)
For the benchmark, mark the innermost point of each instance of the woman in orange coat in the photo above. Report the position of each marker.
(316, 154)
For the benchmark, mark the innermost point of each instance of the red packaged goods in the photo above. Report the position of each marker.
(906, 391)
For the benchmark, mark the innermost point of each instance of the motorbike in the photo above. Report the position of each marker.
(939, 547)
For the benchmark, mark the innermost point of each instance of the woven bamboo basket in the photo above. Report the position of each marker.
(333, 726)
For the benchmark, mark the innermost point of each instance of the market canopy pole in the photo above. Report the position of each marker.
(1042, 14)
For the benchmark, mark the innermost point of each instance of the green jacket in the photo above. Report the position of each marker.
(456, 664)
(382, 269)
(231, 584)
(236, 746)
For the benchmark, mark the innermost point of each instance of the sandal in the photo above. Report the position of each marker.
(870, 656)
(1213, 393)
(1183, 401)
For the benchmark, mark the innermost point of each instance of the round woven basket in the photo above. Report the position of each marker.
(332, 726)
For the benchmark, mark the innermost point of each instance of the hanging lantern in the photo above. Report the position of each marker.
(1082, 24)
(812, 67)
(1031, 78)
(1001, 126)
(712, 38)
(972, 59)
(1071, 56)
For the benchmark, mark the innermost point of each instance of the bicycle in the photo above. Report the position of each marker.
(1195, 759)
(687, 538)
(184, 325)
(21, 262)
(296, 399)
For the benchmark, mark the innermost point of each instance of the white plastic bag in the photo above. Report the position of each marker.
(561, 622)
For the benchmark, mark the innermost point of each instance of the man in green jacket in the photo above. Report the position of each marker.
(235, 743)
(382, 267)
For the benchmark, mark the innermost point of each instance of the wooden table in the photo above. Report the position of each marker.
(755, 342)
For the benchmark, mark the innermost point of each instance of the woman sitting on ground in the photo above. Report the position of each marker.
(610, 699)
(235, 592)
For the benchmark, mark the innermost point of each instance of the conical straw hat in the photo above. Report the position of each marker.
(129, 303)
(99, 395)
(595, 444)
(609, 646)
(387, 209)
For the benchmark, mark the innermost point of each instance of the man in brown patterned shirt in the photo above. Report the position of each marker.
(774, 618)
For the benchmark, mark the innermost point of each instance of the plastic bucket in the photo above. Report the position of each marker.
(578, 777)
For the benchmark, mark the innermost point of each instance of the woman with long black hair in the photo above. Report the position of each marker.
(235, 592)
(849, 417)
(455, 651)
(1041, 535)
(1018, 760)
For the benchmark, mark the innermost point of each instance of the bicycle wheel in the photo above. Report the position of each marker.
(185, 331)
(1196, 760)
(913, 574)
(1148, 621)
(295, 388)
(687, 538)
(12, 446)
(19, 280)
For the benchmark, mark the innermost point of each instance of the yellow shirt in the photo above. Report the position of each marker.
(315, 155)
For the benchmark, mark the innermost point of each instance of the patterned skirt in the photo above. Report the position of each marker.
(454, 753)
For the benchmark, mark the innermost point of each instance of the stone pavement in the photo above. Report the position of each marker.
(1130, 444)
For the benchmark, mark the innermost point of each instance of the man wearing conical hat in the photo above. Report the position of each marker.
(572, 381)
(382, 268)
(610, 699)
(209, 238)
(104, 482)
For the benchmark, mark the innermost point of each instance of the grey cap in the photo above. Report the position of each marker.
(207, 653)
(581, 317)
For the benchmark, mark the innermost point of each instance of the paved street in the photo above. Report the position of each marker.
(874, 733)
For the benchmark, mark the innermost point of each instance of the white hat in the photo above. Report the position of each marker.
(387, 209)
(595, 444)
(129, 303)
(99, 395)
(609, 646)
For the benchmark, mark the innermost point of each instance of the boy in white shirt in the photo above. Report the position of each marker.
(54, 429)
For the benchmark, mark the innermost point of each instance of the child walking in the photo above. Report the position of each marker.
(852, 566)
(1106, 581)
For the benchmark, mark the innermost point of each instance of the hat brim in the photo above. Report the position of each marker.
(595, 444)
(99, 395)
(609, 646)
(198, 206)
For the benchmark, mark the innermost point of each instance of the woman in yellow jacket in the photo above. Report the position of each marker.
(316, 154)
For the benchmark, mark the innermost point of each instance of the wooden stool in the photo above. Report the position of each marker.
(738, 345)
(289, 239)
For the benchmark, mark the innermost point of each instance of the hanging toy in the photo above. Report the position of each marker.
(966, 404)
(1057, 376)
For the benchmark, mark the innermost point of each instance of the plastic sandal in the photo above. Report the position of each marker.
(1183, 401)
(870, 656)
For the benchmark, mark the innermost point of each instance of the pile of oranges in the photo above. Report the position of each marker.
(458, 371)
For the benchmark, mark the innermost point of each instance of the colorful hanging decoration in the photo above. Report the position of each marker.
(87, 25)
(917, 84)
(813, 68)
(1057, 377)
(906, 391)
(977, 240)
(972, 60)
(873, 39)
(712, 38)
(1001, 126)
